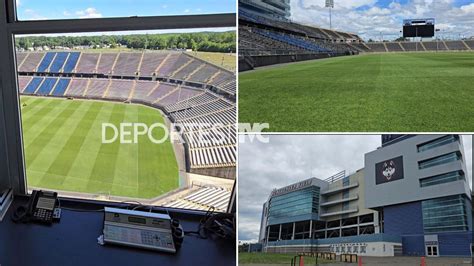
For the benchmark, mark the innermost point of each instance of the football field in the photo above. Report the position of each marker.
(64, 149)
(397, 92)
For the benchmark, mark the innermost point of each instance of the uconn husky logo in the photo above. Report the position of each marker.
(389, 170)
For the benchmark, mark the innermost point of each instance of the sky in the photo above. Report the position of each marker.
(383, 18)
(287, 159)
(69, 9)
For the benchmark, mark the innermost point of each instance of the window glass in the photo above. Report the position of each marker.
(55, 9)
(114, 116)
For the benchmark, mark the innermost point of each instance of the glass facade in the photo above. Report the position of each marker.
(445, 214)
(441, 179)
(443, 159)
(438, 142)
(300, 202)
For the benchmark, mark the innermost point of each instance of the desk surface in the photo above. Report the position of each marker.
(73, 241)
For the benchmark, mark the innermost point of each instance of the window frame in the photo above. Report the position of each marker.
(11, 137)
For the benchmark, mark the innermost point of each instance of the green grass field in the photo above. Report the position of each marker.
(415, 92)
(64, 150)
(274, 258)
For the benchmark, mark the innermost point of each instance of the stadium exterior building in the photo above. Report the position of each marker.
(412, 198)
(274, 9)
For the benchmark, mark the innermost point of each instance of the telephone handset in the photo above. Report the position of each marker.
(40, 208)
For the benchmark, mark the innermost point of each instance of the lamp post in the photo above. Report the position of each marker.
(330, 5)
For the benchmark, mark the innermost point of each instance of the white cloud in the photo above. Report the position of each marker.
(89, 13)
(371, 21)
(187, 11)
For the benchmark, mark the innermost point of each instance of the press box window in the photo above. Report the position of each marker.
(441, 179)
(443, 159)
(437, 142)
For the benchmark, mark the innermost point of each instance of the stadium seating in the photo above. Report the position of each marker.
(203, 198)
(106, 63)
(33, 85)
(71, 62)
(77, 87)
(61, 86)
(150, 63)
(31, 62)
(187, 70)
(120, 89)
(435, 46)
(47, 86)
(88, 63)
(99, 76)
(46, 62)
(412, 46)
(376, 47)
(58, 62)
(394, 47)
(127, 64)
(97, 88)
(470, 43)
(456, 45)
(143, 89)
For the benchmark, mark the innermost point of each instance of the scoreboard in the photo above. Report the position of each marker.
(418, 28)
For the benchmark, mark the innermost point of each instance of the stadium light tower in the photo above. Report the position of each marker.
(330, 5)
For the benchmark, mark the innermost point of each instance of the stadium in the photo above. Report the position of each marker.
(66, 95)
(321, 79)
(412, 198)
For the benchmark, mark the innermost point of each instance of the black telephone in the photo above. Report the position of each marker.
(40, 209)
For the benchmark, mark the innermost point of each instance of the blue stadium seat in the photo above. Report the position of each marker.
(71, 62)
(47, 59)
(58, 62)
(292, 40)
(47, 86)
(61, 87)
(33, 85)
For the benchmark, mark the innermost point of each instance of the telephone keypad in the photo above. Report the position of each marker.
(141, 237)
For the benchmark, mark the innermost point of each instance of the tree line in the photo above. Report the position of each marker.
(199, 41)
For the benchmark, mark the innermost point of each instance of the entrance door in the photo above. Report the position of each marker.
(432, 251)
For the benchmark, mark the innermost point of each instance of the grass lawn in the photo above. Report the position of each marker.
(64, 150)
(273, 258)
(224, 60)
(415, 92)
